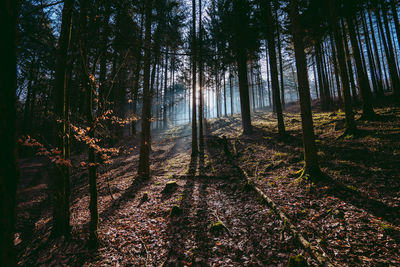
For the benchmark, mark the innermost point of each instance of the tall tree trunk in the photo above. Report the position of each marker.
(390, 52)
(61, 224)
(165, 100)
(274, 69)
(231, 87)
(103, 60)
(268, 83)
(194, 80)
(144, 158)
(371, 60)
(378, 61)
(137, 74)
(345, 86)
(8, 156)
(201, 79)
(310, 151)
(349, 64)
(278, 36)
(315, 78)
(368, 111)
(396, 19)
(241, 59)
(335, 65)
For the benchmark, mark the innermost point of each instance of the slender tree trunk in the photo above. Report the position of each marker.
(390, 53)
(274, 69)
(61, 224)
(144, 158)
(201, 79)
(103, 60)
(165, 101)
(368, 111)
(268, 83)
(378, 61)
(350, 123)
(137, 74)
(335, 65)
(231, 88)
(349, 65)
(372, 65)
(396, 19)
(315, 78)
(278, 37)
(8, 156)
(310, 151)
(194, 80)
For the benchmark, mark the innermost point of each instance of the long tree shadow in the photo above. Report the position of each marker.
(336, 188)
(178, 227)
(360, 200)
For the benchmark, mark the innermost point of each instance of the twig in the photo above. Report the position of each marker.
(223, 225)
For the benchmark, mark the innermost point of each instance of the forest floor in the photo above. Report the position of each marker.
(197, 211)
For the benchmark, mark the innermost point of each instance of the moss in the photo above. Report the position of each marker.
(351, 187)
(388, 229)
(297, 261)
(281, 155)
(349, 137)
(175, 211)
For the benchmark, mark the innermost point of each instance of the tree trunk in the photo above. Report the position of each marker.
(396, 19)
(310, 151)
(8, 156)
(274, 69)
(368, 111)
(144, 158)
(390, 52)
(61, 224)
(137, 75)
(350, 123)
(201, 79)
(349, 64)
(194, 81)
(335, 65)
(378, 61)
(280, 57)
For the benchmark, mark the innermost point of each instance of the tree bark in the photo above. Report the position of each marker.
(345, 84)
(310, 151)
(144, 158)
(274, 68)
(365, 89)
(61, 224)
(8, 156)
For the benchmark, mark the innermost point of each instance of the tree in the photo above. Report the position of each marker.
(144, 159)
(194, 81)
(61, 224)
(345, 86)
(8, 169)
(368, 111)
(274, 66)
(241, 16)
(311, 166)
